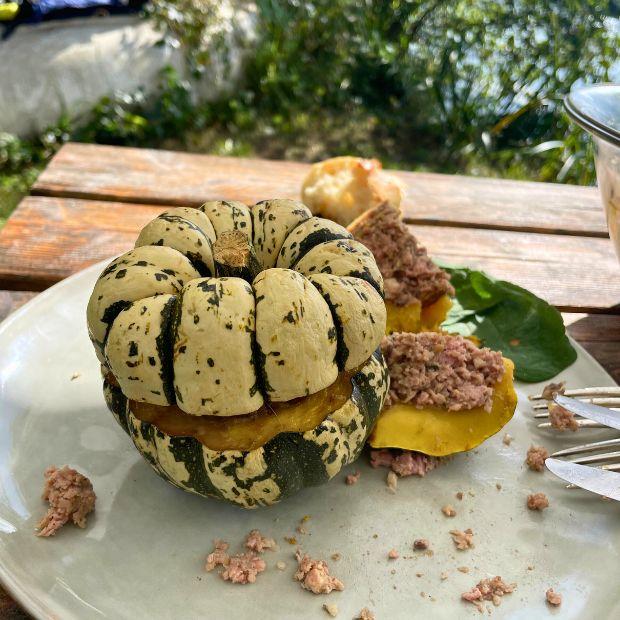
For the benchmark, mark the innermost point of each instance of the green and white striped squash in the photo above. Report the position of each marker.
(188, 346)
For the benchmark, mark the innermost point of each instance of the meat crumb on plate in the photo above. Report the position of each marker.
(443, 576)
(365, 614)
(535, 458)
(255, 541)
(421, 544)
(393, 554)
(463, 569)
(404, 462)
(391, 481)
(448, 511)
(553, 598)
(562, 419)
(551, 389)
(280, 565)
(507, 440)
(352, 478)
(314, 575)
(537, 501)
(488, 590)
(243, 568)
(70, 496)
(459, 495)
(463, 540)
(331, 609)
(336, 557)
(219, 556)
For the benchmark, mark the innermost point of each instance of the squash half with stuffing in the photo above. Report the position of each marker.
(446, 394)
(239, 348)
(417, 291)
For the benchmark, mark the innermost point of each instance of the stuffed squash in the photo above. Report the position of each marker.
(239, 348)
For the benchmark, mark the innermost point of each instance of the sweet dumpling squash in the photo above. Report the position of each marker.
(239, 347)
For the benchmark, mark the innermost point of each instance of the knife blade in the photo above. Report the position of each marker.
(588, 410)
(599, 481)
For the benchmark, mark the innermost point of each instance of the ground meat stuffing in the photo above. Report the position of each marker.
(314, 575)
(562, 419)
(365, 614)
(536, 456)
(449, 511)
(219, 556)
(70, 496)
(463, 540)
(537, 501)
(421, 544)
(440, 370)
(552, 389)
(393, 554)
(409, 275)
(488, 590)
(353, 478)
(243, 568)
(331, 609)
(259, 543)
(553, 598)
(404, 462)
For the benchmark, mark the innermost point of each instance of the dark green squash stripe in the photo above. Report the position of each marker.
(165, 344)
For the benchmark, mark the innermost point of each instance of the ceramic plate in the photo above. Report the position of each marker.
(142, 554)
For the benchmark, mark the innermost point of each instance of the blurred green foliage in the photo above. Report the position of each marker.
(472, 86)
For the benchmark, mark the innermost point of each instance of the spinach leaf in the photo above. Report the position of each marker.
(510, 319)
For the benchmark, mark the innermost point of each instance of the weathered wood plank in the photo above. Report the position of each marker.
(164, 177)
(48, 239)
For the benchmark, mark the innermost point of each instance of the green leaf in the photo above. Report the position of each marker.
(510, 319)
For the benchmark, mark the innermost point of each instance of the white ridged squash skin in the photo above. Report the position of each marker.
(138, 351)
(343, 257)
(179, 233)
(196, 217)
(273, 221)
(226, 215)
(214, 372)
(359, 315)
(305, 236)
(295, 333)
(137, 274)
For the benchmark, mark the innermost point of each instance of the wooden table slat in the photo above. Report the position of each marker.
(164, 177)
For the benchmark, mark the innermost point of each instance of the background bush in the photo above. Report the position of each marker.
(468, 86)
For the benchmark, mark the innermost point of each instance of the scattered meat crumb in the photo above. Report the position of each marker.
(352, 478)
(507, 440)
(291, 540)
(300, 529)
(562, 419)
(443, 576)
(421, 544)
(535, 458)
(314, 575)
(336, 557)
(471, 494)
(537, 501)
(463, 540)
(459, 495)
(404, 462)
(498, 486)
(448, 511)
(530, 568)
(219, 555)
(393, 554)
(259, 543)
(331, 609)
(375, 535)
(488, 590)
(419, 574)
(553, 598)
(75, 375)
(391, 481)
(463, 569)
(552, 389)
(243, 568)
(280, 565)
(365, 614)
(70, 496)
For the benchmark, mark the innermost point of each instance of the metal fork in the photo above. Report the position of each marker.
(603, 454)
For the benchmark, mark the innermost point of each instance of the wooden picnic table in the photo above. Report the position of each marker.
(91, 200)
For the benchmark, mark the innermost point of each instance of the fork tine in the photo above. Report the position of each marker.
(588, 447)
(582, 423)
(603, 402)
(545, 414)
(597, 458)
(589, 391)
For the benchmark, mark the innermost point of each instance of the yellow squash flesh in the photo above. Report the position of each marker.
(439, 432)
(414, 318)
